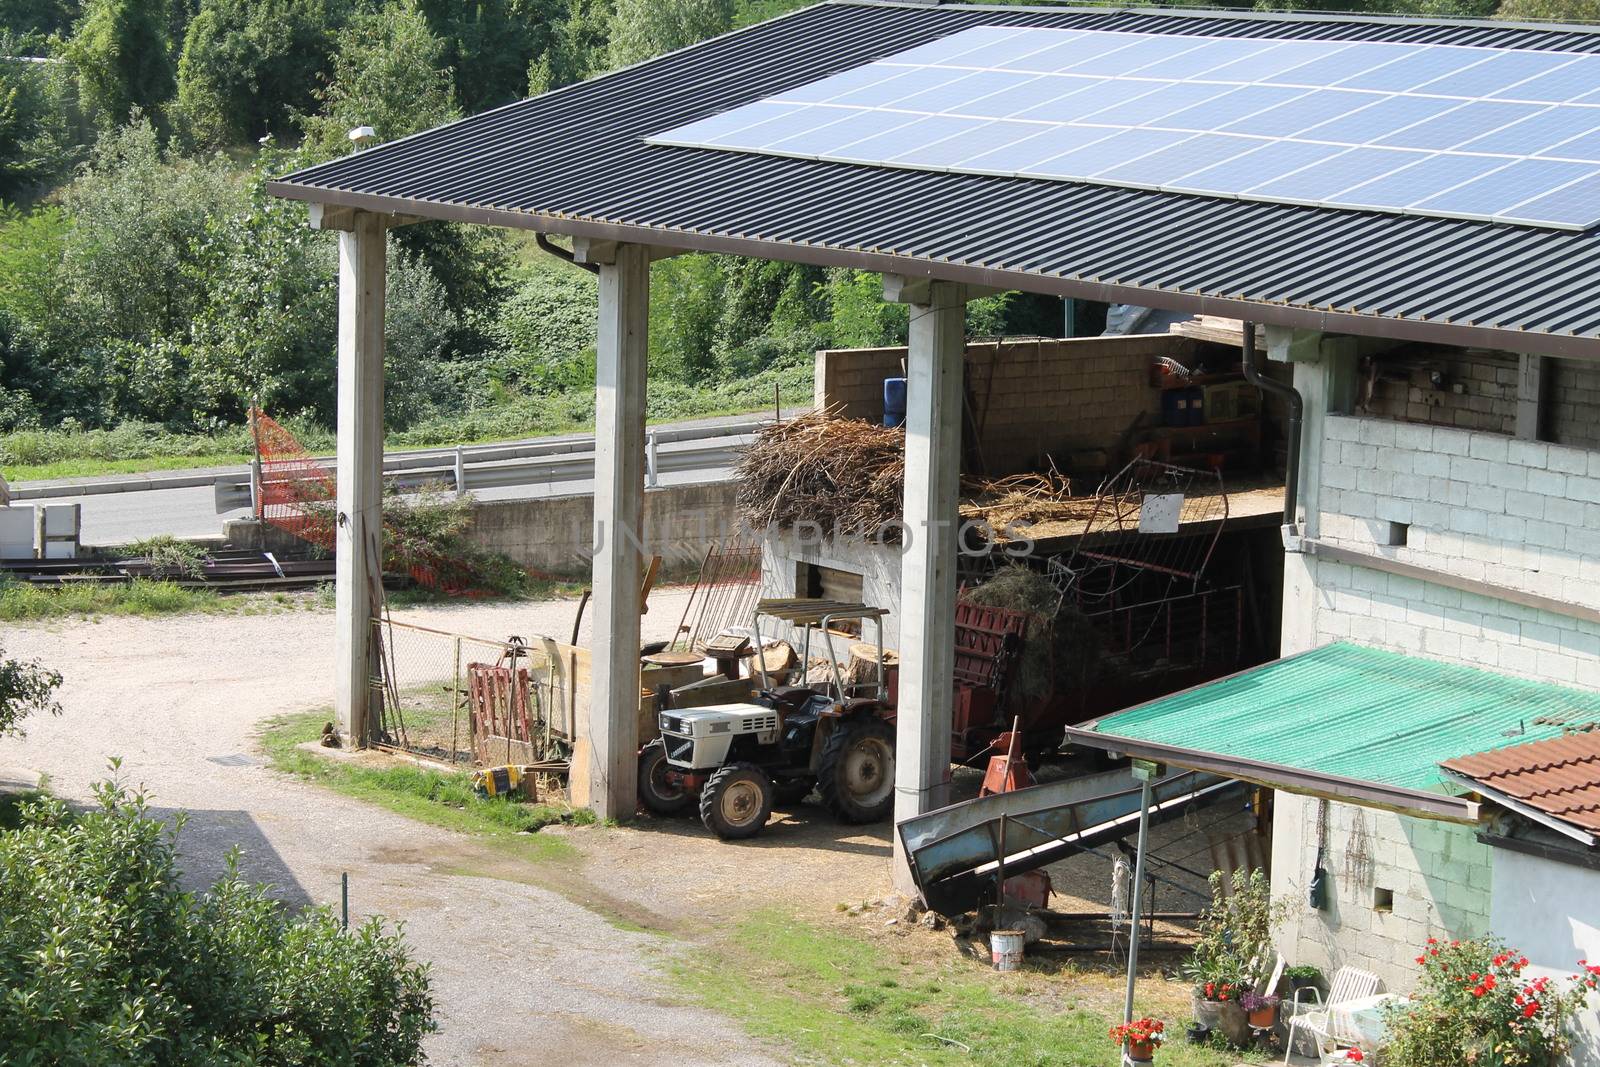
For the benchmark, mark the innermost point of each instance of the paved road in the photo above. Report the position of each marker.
(191, 511)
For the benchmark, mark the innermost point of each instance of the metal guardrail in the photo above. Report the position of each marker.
(435, 462)
(466, 470)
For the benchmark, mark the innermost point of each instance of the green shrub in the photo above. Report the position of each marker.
(1473, 1004)
(1235, 945)
(169, 556)
(105, 959)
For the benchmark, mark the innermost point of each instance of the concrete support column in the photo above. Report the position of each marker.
(928, 560)
(1530, 397)
(620, 364)
(358, 537)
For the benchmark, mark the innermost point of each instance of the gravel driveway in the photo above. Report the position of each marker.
(522, 975)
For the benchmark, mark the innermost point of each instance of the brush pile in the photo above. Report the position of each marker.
(841, 474)
(1022, 500)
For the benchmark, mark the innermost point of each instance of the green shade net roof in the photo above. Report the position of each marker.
(1357, 713)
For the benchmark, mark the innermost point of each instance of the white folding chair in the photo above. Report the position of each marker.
(1349, 984)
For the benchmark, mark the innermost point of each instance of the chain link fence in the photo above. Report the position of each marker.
(468, 700)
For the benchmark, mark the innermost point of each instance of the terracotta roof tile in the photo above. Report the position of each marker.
(1559, 775)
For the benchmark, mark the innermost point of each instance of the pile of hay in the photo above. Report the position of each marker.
(1062, 650)
(1021, 500)
(844, 474)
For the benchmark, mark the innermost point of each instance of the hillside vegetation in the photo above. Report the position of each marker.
(150, 290)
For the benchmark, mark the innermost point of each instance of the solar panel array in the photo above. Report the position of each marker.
(1508, 135)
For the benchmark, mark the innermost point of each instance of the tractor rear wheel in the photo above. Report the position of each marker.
(656, 792)
(855, 772)
(736, 801)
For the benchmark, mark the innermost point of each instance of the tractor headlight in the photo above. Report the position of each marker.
(671, 724)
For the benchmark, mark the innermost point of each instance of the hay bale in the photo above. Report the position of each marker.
(1062, 648)
(840, 474)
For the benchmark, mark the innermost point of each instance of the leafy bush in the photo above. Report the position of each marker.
(169, 556)
(1234, 949)
(1473, 1005)
(105, 959)
(26, 688)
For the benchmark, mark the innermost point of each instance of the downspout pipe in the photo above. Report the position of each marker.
(544, 242)
(1297, 411)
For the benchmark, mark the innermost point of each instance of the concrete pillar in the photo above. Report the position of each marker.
(620, 363)
(358, 538)
(928, 560)
(1530, 396)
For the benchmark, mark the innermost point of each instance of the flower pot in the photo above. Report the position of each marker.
(1205, 1011)
(1198, 1033)
(1141, 1051)
(1262, 1018)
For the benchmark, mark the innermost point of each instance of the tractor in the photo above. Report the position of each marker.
(734, 762)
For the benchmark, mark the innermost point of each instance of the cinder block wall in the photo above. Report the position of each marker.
(556, 534)
(1031, 398)
(1438, 872)
(1521, 515)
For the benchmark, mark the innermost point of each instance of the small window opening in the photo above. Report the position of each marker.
(1399, 532)
(1382, 899)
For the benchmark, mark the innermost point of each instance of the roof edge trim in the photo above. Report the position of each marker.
(1527, 811)
(1414, 802)
(1565, 346)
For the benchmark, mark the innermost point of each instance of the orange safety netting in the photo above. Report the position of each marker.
(297, 494)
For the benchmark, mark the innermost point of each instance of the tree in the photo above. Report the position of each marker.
(641, 29)
(388, 73)
(106, 959)
(1559, 10)
(34, 21)
(123, 56)
(576, 48)
(489, 44)
(25, 689)
(249, 65)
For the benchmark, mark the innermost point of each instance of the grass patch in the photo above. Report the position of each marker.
(147, 598)
(842, 1000)
(440, 799)
(92, 466)
(21, 601)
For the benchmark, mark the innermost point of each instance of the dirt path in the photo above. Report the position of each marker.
(522, 974)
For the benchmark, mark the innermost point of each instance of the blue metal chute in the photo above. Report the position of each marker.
(954, 852)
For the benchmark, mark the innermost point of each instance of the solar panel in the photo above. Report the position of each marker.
(1510, 135)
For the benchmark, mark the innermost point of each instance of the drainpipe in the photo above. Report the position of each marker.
(1297, 410)
(556, 250)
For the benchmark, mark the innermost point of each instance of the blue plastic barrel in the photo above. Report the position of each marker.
(894, 401)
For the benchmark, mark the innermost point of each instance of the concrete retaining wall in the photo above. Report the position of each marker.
(556, 534)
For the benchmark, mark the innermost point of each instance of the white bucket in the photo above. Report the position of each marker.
(1005, 947)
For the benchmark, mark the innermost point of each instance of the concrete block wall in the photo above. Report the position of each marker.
(1572, 403)
(1439, 875)
(556, 534)
(1031, 397)
(1520, 514)
(1486, 400)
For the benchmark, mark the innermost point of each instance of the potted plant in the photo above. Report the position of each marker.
(1140, 1037)
(1303, 976)
(1226, 960)
(1261, 1008)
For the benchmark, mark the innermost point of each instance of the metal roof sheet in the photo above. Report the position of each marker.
(1356, 713)
(574, 161)
(1559, 776)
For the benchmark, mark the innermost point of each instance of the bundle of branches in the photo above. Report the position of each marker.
(1062, 649)
(841, 474)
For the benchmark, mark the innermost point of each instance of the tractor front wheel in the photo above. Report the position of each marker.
(656, 792)
(855, 772)
(736, 801)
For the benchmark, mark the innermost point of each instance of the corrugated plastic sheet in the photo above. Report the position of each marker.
(1355, 712)
(1559, 776)
(577, 158)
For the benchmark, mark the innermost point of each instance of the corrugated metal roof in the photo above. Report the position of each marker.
(1354, 712)
(574, 162)
(1559, 776)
